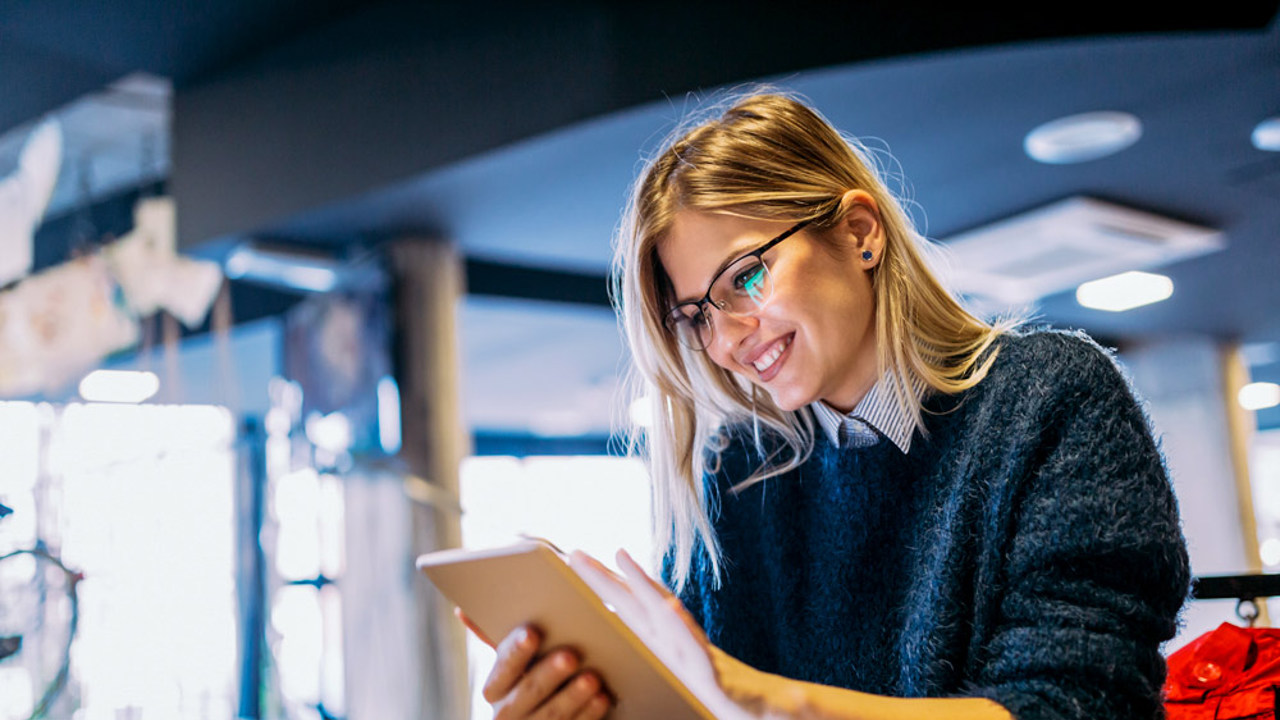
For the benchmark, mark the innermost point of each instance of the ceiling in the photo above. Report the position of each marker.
(953, 113)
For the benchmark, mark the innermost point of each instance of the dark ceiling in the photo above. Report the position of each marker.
(540, 114)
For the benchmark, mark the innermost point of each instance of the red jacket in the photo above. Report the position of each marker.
(1229, 673)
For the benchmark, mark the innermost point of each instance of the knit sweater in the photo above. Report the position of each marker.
(1026, 550)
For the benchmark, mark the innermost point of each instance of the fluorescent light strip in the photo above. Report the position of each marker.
(119, 386)
(275, 268)
(1124, 291)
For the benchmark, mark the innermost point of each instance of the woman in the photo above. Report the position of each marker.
(874, 503)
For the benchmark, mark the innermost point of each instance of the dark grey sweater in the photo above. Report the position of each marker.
(1028, 550)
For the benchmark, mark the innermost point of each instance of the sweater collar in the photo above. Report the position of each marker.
(877, 409)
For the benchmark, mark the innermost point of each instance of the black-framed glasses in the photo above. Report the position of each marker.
(740, 288)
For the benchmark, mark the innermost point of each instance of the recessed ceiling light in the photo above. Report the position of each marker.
(1124, 291)
(1078, 138)
(1267, 135)
(1259, 395)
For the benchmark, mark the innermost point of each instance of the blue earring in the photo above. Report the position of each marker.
(866, 255)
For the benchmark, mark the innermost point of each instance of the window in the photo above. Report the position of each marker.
(596, 504)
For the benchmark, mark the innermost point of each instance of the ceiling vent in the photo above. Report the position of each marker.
(1054, 248)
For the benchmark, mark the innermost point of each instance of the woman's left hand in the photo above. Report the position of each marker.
(727, 687)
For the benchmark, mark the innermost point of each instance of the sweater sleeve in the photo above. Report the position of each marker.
(1095, 567)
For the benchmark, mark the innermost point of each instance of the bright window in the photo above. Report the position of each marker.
(140, 499)
(594, 504)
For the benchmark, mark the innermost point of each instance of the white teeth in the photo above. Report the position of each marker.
(766, 361)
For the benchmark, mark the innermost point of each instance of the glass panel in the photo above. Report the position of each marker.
(595, 504)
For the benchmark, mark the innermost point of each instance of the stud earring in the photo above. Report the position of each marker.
(866, 255)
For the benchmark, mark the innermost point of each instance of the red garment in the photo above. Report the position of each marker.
(1229, 673)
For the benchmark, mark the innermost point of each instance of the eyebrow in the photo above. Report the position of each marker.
(724, 265)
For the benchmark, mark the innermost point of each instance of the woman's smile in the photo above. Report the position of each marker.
(813, 338)
(768, 360)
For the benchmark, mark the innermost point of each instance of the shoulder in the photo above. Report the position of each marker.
(1042, 379)
(1048, 361)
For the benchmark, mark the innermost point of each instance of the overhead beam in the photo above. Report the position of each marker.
(396, 89)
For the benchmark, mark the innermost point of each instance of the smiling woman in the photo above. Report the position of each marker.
(872, 503)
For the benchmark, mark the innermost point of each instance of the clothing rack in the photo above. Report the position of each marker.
(1245, 589)
(1238, 587)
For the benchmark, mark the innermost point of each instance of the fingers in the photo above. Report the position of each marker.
(576, 699)
(514, 655)
(640, 582)
(635, 573)
(595, 708)
(539, 686)
(652, 591)
(466, 621)
(608, 586)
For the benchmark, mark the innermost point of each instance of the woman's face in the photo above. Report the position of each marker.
(815, 338)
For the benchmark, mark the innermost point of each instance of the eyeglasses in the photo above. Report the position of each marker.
(741, 288)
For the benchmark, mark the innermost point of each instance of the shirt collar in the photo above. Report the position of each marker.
(879, 409)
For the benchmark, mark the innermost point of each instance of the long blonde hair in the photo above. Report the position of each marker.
(768, 157)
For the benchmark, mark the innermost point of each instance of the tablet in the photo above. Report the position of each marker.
(528, 583)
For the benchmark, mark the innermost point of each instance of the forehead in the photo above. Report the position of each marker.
(700, 243)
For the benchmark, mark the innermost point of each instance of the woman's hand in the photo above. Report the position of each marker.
(553, 687)
(728, 688)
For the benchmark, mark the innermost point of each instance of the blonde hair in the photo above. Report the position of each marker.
(768, 157)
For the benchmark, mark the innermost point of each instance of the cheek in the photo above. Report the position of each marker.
(721, 357)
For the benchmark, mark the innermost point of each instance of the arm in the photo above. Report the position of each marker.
(1087, 555)
(731, 689)
(774, 696)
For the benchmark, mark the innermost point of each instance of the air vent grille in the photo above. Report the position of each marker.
(1029, 256)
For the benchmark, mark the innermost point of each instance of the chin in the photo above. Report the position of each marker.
(789, 402)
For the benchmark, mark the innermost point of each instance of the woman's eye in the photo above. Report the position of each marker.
(750, 280)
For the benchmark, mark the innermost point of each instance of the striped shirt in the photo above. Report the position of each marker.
(878, 414)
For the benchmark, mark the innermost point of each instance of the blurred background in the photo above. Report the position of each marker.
(291, 292)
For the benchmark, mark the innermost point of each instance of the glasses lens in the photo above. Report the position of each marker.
(744, 287)
(691, 325)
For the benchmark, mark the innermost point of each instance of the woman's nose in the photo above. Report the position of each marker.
(728, 331)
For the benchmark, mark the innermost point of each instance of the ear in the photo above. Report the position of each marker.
(863, 227)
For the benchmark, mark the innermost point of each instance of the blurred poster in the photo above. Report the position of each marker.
(337, 350)
(56, 325)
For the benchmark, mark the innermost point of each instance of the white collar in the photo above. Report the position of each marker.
(879, 409)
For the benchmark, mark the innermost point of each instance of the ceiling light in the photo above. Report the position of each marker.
(292, 270)
(119, 386)
(1078, 138)
(1266, 136)
(1020, 259)
(1259, 396)
(1124, 291)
